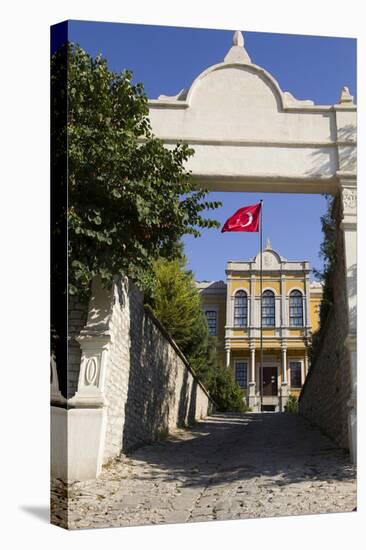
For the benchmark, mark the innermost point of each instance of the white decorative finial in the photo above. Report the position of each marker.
(268, 244)
(237, 52)
(238, 39)
(345, 96)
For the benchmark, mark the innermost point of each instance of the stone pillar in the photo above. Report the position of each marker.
(227, 357)
(284, 321)
(284, 365)
(306, 364)
(303, 371)
(306, 306)
(284, 386)
(252, 323)
(348, 227)
(86, 412)
(92, 371)
(252, 364)
(252, 398)
(346, 122)
(87, 416)
(59, 427)
(229, 308)
(56, 396)
(351, 345)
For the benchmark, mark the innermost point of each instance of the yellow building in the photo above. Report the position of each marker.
(290, 314)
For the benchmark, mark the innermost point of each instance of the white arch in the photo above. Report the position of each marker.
(296, 288)
(247, 295)
(243, 289)
(266, 77)
(272, 290)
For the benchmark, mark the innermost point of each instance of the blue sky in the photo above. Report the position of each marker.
(167, 59)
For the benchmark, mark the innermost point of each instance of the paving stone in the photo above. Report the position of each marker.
(226, 467)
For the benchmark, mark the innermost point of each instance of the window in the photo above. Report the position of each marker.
(241, 375)
(295, 374)
(296, 315)
(212, 322)
(268, 309)
(240, 309)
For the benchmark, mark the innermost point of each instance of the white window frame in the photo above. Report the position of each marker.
(214, 308)
(275, 298)
(248, 308)
(245, 360)
(303, 305)
(296, 360)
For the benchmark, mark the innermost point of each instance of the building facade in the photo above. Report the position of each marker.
(290, 315)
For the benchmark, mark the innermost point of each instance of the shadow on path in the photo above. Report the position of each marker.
(232, 447)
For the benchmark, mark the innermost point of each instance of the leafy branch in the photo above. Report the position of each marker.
(130, 199)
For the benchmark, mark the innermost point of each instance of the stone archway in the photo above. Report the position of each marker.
(249, 135)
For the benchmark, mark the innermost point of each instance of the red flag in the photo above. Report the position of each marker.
(245, 219)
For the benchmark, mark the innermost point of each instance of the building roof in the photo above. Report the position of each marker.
(271, 261)
(214, 287)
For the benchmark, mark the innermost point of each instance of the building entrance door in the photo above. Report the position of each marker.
(269, 381)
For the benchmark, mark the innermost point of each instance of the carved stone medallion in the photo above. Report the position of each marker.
(349, 197)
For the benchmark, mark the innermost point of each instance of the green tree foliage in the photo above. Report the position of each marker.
(212, 363)
(225, 391)
(292, 405)
(221, 384)
(329, 256)
(130, 199)
(177, 305)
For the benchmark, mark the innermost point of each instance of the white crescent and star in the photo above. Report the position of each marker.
(250, 219)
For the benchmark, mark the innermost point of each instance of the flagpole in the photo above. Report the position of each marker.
(261, 291)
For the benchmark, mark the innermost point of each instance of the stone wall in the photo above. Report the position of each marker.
(324, 397)
(149, 386)
(117, 372)
(127, 376)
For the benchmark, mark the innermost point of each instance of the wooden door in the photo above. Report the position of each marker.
(269, 381)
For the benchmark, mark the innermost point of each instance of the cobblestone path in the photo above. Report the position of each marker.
(226, 467)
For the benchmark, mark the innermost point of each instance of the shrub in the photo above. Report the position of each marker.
(292, 405)
(225, 391)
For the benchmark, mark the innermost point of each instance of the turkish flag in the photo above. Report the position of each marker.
(244, 219)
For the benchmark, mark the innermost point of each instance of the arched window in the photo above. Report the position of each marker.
(296, 310)
(240, 309)
(268, 309)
